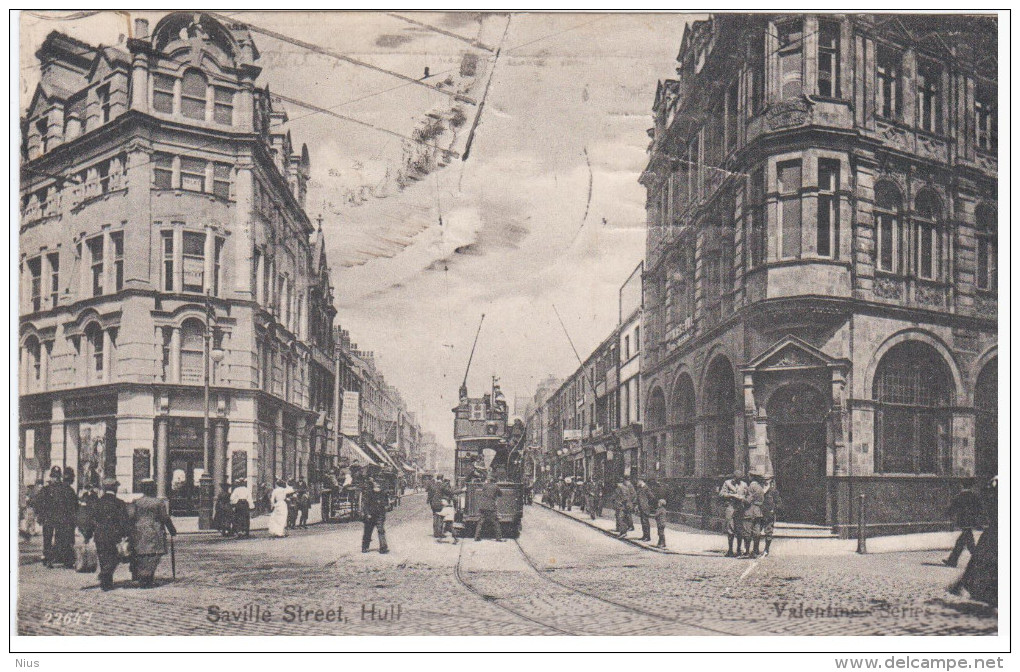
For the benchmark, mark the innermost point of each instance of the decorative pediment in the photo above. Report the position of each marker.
(791, 352)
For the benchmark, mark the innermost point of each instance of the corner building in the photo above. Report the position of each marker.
(161, 211)
(820, 283)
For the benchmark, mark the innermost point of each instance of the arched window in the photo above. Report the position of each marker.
(94, 352)
(986, 430)
(193, 95)
(927, 212)
(912, 393)
(887, 227)
(683, 441)
(987, 262)
(192, 351)
(720, 395)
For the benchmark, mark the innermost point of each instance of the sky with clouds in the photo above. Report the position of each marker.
(545, 211)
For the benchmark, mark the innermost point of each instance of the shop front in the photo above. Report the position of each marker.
(90, 438)
(186, 464)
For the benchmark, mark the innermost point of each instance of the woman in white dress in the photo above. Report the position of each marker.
(278, 518)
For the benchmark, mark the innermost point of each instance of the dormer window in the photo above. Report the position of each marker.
(103, 96)
(42, 126)
(223, 105)
(193, 92)
(163, 93)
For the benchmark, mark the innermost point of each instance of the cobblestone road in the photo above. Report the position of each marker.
(562, 578)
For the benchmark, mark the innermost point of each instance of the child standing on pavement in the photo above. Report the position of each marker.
(660, 523)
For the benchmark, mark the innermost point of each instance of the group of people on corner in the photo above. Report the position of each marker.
(135, 532)
(750, 505)
(626, 498)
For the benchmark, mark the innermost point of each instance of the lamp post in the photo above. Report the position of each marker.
(205, 483)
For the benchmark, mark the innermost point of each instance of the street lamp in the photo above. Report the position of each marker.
(205, 483)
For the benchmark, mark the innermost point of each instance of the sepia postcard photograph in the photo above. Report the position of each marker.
(502, 323)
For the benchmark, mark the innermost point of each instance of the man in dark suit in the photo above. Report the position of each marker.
(374, 501)
(112, 525)
(45, 511)
(965, 510)
(645, 506)
(65, 516)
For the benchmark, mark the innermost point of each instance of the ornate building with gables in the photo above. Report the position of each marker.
(820, 281)
(163, 231)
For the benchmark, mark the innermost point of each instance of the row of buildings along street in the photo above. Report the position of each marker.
(173, 286)
(818, 295)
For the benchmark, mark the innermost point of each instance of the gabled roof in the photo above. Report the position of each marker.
(791, 352)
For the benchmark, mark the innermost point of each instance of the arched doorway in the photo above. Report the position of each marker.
(986, 421)
(683, 441)
(720, 396)
(797, 439)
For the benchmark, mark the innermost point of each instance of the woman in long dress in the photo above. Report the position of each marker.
(150, 521)
(278, 518)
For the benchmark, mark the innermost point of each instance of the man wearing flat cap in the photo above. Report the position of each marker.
(754, 514)
(112, 525)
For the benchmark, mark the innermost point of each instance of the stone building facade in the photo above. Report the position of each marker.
(820, 282)
(162, 217)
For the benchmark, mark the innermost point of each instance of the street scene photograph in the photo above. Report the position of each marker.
(421, 323)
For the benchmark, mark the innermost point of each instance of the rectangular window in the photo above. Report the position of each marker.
(163, 93)
(192, 174)
(35, 271)
(926, 250)
(828, 59)
(983, 276)
(731, 116)
(162, 171)
(985, 120)
(221, 180)
(103, 94)
(637, 339)
(791, 61)
(167, 339)
(626, 348)
(828, 207)
(54, 261)
(757, 222)
(103, 170)
(168, 261)
(95, 246)
(888, 73)
(756, 75)
(790, 207)
(886, 241)
(194, 261)
(193, 92)
(929, 103)
(117, 239)
(223, 106)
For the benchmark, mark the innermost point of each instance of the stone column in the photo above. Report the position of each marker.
(756, 430)
(175, 355)
(209, 268)
(280, 452)
(139, 80)
(178, 234)
(44, 366)
(839, 427)
(108, 275)
(107, 356)
(162, 457)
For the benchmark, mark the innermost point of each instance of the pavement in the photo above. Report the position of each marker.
(558, 578)
(683, 540)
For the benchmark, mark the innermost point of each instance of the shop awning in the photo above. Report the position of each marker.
(353, 451)
(382, 457)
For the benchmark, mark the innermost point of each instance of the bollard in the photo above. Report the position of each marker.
(862, 537)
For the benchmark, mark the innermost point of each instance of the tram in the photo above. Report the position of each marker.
(488, 444)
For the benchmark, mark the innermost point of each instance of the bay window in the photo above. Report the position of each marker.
(828, 208)
(757, 232)
(791, 58)
(163, 171)
(828, 59)
(223, 105)
(789, 175)
(192, 174)
(194, 261)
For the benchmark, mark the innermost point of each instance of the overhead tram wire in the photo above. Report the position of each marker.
(472, 42)
(324, 51)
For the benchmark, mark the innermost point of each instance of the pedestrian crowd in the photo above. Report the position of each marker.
(112, 531)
